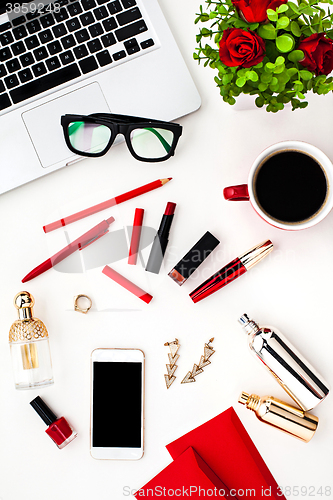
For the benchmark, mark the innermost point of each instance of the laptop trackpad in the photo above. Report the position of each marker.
(43, 122)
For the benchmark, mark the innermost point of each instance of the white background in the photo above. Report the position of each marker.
(291, 289)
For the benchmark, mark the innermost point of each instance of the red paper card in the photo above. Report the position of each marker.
(187, 477)
(228, 450)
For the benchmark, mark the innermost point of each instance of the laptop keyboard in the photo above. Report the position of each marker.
(39, 52)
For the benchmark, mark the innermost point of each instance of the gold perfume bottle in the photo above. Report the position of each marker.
(294, 421)
(29, 346)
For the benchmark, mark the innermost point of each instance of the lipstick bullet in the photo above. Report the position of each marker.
(233, 270)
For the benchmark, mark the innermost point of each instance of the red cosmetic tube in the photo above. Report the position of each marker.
(233, 270)
(124, 282)
(58, 429)
(136, 234)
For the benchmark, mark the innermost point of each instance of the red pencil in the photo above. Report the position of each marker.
(106, 204)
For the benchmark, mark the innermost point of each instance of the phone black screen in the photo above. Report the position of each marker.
(117, 405)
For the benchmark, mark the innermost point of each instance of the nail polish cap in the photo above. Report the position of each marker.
(198, 253)
(43, 410)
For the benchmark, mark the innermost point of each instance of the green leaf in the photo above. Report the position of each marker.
(296, 55)
(252, 75)
(267, 31)
(279, 69)
(293, 7)
(283, 22)
(262, 87)
(272, 15)
(295, 29)
(282, 8)
(279, 60)
(240, 82)
(285, 43)
(253, 26)
(306, 75)
(266, 77)
(222, 10)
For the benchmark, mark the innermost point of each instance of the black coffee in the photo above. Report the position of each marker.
(290, 186)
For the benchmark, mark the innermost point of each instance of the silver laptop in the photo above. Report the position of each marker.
(81, 57)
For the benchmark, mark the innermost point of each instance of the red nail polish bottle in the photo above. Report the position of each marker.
(58, 429)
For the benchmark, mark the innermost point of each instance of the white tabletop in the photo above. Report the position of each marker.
(291, 289)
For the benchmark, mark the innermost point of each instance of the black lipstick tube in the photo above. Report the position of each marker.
(161, 240)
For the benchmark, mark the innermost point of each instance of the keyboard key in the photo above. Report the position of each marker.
(2, 87)
(80, 51)
(4, 101)
(96, 30)
(88, 4)
(87, 65)
(47, 82)
(128, 16)
(104, 58)
(18, 20)
(45, 36)
(4, 27)
(25, 75)
(3, 71)
(119, 55)
(18, 48)
(53, 63)
(40, 53)
(11, 81)
(19, 32)
(54, 47)
(13, 65)
(27, 59)
(32, 15)
(100, 2)
(73, 24)
(110, 24)
(68, 42)
(94, 46)
(108, 40)
(33, 26)
(32, 42)
(131, 30)
(75, 9)
(5, 54)
(82, 36)
(128, 3)
(62, 2)
(114, 7)
(39, 69)
(62, 15)
(101, 13)
(131, 46)
(147, 43)
(67, 57)
(6, 38)
(87, 18)
(59, 30)
(47, 21)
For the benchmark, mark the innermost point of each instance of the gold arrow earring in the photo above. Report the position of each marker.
(173, 358)
(198, 368)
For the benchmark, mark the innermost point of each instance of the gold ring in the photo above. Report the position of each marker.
(76, 306)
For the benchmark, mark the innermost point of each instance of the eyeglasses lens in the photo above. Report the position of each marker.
(151, 143)
(88, 137)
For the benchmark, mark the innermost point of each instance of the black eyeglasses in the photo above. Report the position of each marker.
(147, 140)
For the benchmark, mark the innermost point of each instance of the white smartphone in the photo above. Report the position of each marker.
(117, 404)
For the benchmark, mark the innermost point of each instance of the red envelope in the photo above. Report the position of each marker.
(228, 450)
(187, 477)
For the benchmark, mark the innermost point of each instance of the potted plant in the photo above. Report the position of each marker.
(274, 50)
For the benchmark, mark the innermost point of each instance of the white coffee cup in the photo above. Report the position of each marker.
(246, 192)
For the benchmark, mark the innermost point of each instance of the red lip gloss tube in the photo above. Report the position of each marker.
(136, 234)
(232, 270)
(58, 429)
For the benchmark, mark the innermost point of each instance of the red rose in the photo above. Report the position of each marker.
(241, 48)
(318, 52)
(255, 11)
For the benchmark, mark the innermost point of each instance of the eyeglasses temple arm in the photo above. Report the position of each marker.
(165, 144)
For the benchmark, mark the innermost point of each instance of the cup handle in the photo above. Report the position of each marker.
(236, 193)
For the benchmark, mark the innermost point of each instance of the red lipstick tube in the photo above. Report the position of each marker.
(58, 429)
(161, 240)
(231, 271)
(136, 234)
